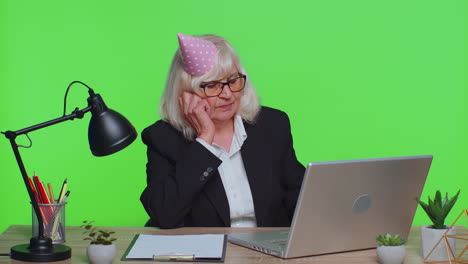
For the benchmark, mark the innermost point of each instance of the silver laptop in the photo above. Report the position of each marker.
(344, 205)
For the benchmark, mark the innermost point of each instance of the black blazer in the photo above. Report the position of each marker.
(184, 187)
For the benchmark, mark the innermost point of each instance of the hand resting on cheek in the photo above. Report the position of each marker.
(197, 111)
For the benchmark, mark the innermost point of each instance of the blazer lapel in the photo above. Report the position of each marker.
(217, 195)
(257, 169)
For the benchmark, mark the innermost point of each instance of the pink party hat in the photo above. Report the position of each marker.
(199, 54)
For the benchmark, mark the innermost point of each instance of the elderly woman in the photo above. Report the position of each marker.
(218, 158)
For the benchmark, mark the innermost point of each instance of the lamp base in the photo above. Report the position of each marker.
(40, 250)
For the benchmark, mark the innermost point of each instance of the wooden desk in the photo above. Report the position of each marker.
(16, 234)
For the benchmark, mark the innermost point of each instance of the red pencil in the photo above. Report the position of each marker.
(47, 213)
(31, 185)
(42, 192)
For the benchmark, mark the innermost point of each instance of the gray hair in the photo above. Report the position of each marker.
(179, 80)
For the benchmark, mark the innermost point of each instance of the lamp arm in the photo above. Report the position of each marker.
(75, 114)
(11, 135)
(30, 191)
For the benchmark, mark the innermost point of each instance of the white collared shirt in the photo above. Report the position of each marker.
(234, 177)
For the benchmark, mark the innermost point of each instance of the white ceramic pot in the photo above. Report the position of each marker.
(430, 237)
(101, 254)
(391, 254)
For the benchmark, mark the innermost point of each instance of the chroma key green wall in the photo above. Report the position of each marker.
(359, 79)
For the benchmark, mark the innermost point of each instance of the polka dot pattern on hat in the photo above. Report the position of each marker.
(199, 55)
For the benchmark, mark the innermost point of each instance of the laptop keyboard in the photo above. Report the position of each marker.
(278, 242)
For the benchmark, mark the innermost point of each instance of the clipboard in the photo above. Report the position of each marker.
(180, 248)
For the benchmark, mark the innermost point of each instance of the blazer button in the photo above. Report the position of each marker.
(204, 176)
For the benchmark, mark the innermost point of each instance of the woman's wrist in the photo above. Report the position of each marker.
(207, 137)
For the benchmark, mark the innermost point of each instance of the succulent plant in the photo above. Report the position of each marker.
(439, 208)
(97, 237)
(389, 240)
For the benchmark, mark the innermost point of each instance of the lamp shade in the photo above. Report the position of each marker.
(108, 131)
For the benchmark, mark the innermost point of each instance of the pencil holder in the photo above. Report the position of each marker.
(54, 221)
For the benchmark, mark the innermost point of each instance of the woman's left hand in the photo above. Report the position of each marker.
(197, 111)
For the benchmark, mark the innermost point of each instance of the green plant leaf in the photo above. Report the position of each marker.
(389, 240)
(445, 200)
(437, 210)
(97, 237)
(438, 199)
(426, 208)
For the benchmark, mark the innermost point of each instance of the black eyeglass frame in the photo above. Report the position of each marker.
(224, 84)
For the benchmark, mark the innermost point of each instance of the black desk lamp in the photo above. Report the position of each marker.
(108, 133)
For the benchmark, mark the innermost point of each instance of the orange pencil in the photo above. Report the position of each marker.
(51, 193)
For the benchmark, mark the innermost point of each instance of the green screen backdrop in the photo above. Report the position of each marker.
(359, 79)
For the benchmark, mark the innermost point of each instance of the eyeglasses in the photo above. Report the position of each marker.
(235, 84)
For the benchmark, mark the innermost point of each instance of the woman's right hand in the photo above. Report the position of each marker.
(197, 111)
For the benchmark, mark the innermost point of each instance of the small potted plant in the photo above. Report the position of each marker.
(391, 249)
(437, 210)
(101, 250)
